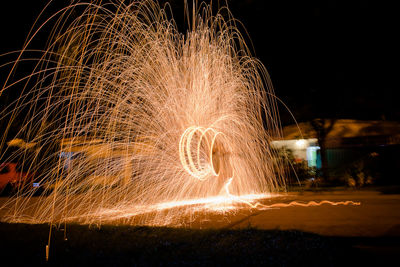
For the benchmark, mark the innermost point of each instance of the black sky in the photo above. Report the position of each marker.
(328, 58)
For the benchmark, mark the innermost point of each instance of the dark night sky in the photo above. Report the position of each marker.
(326, 58)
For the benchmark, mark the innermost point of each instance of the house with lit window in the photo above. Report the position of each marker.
(348, 141)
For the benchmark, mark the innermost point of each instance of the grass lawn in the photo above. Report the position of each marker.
(23, 244)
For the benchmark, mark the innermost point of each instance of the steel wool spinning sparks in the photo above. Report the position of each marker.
(126, 116)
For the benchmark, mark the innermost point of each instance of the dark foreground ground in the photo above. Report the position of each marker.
(23, 244)
(365, 235)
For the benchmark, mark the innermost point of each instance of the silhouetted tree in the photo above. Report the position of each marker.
(322, 128)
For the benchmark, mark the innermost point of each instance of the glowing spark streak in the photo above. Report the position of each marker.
(260, 206)
(218, 203)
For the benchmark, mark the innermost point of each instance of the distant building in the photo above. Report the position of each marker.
(347, 142)
(302, 149)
